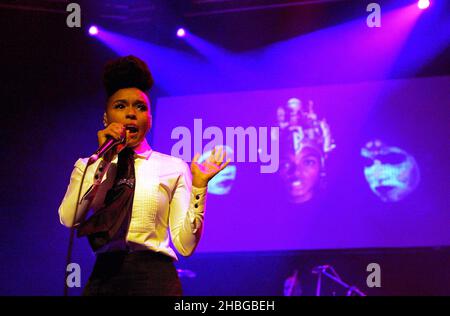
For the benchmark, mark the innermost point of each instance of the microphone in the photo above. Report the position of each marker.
(105, 147)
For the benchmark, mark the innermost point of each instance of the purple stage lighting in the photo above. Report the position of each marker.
(423, 4)
(93, 30)
(181, 32)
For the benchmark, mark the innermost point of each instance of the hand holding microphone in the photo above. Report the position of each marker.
(112, 140)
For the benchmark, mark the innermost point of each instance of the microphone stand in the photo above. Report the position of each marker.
(322, 270)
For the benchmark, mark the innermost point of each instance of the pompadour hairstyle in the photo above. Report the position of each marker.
(126, 72)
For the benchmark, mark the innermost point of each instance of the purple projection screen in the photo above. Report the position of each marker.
(384, 184)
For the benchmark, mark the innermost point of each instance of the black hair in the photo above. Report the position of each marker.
(126, 72)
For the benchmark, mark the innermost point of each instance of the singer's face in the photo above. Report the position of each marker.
(130, 107)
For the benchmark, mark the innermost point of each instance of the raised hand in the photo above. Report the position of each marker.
(205, 171)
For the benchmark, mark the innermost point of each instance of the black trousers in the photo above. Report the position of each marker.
(142, 273)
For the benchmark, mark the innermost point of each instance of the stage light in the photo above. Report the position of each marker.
(93, 30)
(181, 32)
(423, 4)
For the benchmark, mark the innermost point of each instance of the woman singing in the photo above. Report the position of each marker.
(137, 195)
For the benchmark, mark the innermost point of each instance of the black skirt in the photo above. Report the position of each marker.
(141, 273)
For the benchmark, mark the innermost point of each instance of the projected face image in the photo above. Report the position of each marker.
(301, 174)
(222, 183)
(391, 172)
(305, 141)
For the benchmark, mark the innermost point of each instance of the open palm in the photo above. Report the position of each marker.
(205, 171)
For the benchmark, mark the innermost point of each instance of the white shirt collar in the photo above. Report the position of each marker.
(143, 150)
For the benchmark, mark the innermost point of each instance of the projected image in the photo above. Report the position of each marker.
(305, 142)
(391, 172)
(320, 195)
(222, 183)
